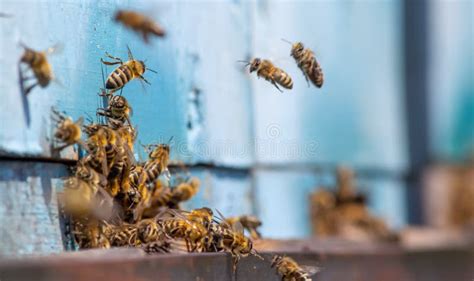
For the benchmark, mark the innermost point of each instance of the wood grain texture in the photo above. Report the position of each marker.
(29, 217)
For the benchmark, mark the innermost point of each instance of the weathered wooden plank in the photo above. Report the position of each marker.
(198, 85)
(384, 263)
(29, 219)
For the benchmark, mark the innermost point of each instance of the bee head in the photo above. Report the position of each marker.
(142, 64)
(120, 15)
(254, 64)
(297, 48)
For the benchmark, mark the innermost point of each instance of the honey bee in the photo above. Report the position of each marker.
(231, 239)
(307, 62)
(38, 63)
(139, 23)
(183, 192)
(290, 270)
(126, 72)
(122, 235)
(118, 109)
(67, 131)
(157, 247)
(96, 143)
(194, 234)
(89, 234)
(148, 231)
(158, 161)
(202, 216)
(271, 73)
(250, 223)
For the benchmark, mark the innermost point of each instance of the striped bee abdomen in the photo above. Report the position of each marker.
(283, 79)
(119, 77)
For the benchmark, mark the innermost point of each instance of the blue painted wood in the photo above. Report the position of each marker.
(29, 219)
(282, 200)
(230, 192)
(451, 81)
(198, 84)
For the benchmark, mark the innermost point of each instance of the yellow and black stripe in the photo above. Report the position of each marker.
(283, 79)
(119, 77)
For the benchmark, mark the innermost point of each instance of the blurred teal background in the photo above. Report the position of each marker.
(257, 150)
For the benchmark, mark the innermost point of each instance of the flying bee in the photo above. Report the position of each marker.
(307, 62)
(140, 24)
(290, 270)
(126, 72)
(184, 191)
(67, 131)
(271, 73)
(118, 109)
(38, 63)
(250, 223)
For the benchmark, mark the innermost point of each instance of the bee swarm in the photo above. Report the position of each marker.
(112, 200)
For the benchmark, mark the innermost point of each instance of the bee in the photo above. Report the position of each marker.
(86, 173)
(118, 109)
(126, 72)
(271, 73)
(194, 234)
(96, 143)
(231, 239)
(139, 23)
(250, 223)
(78, 196)
(67, 131)
(184, 191)
(307, 62)
(38, 63)
(122, 235)
(148, 231)
(160, 196)
(157, 247)
(158, 161)
(89, 234)
(202, 215)
(290, 270)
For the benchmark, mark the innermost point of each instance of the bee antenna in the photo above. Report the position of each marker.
(149, 69)
(244, 61)
(284, 40)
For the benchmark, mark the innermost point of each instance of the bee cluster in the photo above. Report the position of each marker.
(343, 213)
(113, 200)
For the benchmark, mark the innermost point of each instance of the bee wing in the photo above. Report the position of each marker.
(221, 220)
(238, 227)
(310, 270)
(130, 56)
(55, 49)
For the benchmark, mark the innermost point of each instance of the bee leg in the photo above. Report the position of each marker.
(275, 84)
(59, 148)
(28, 90)
(144, 80)
(145, 37)
(307, 80)
(114, 58)
(110, 63)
